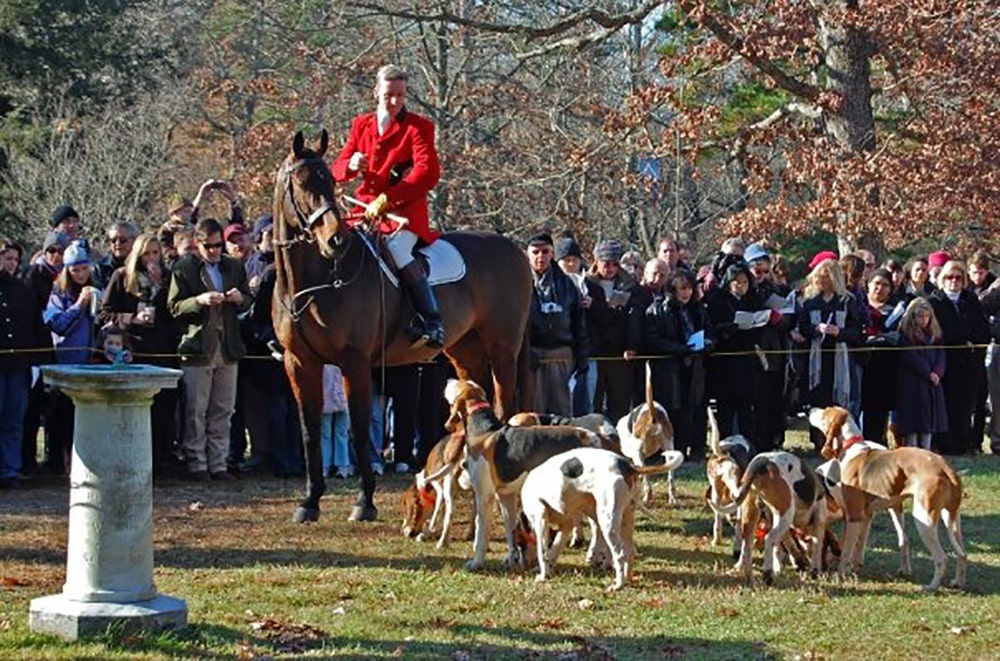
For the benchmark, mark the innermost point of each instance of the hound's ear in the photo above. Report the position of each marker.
(835, 419)
(324, 142)
(298, 145)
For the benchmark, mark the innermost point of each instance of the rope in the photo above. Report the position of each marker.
(775, 352)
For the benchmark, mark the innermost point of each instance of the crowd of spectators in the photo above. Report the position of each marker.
(908, 348)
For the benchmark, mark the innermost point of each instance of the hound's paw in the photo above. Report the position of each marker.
(473, 565)
(539, 578)
(442, 544)
(615, 587)
(930, 587)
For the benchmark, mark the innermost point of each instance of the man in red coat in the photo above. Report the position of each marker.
(392, 150)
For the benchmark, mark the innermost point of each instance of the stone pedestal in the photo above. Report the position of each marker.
(109, 562)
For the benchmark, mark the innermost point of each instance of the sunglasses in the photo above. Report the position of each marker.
(214, 246)
(53, 251)
(954, 276)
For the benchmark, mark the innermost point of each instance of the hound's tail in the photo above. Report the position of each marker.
(716, 438)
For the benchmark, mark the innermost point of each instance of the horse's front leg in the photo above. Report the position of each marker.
(358, 382)
(307, 385)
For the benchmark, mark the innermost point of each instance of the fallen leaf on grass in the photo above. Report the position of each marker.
(399, 651)
(339, 610)
(656, 602)
(13, 582)
(960, 631)
(461, 655)
(922, 626)
(288, 637)
(726, 612)
(585, 604)
(553, 623)
(196, 506)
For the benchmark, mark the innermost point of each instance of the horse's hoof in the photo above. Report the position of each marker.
(363, 513)
(306, 515)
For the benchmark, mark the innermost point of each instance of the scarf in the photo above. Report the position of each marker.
(841, 360)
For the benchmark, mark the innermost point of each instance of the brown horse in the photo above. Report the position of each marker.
(333, 304)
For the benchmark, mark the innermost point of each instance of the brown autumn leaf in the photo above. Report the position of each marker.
(725, 611)
(14, 582)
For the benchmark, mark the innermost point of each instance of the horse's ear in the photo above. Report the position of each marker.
(298, 145)
(324, 142)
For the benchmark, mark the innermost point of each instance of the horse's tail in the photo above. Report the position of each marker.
(524, 375)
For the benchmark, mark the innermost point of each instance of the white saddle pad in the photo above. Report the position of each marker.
(445, 262)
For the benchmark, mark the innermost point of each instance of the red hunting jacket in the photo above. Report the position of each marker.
(403, 164)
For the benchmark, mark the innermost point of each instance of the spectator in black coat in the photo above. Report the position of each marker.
(678, 372)
(879, 388)
(136, 300)
(732, 370)
(612, 340)
(964, 334)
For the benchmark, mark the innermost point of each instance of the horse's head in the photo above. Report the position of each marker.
(304, 195)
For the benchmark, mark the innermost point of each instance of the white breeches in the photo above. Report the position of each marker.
(400, 246)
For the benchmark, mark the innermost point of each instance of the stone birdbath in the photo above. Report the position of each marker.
(109, 560)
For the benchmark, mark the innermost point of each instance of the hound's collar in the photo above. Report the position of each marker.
(478, 406)
(427, 497)
(851, 440)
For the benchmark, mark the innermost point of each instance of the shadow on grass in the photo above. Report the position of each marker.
(212, 642)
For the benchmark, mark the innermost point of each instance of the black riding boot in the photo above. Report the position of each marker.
(432, 333)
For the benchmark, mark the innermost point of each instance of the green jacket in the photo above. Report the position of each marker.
(188, 280)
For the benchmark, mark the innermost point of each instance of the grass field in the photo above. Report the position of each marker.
(258, 586)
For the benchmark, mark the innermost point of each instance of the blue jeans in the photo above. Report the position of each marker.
(335, 441)
(14, 387)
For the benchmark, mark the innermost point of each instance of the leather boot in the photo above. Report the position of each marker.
(425, 304)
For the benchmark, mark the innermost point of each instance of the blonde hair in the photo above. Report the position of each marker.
(391, 72)
(133, 263)
(953, 265)
(910, 329)
(832, 267)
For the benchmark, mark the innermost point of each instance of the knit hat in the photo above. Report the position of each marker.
(755, 253)
(63, 212)
(822, 257)
(540, 239)
(568, 247)
(55, 240)
(608, 250)
(76, 254)
(261, 225)
(938, 258)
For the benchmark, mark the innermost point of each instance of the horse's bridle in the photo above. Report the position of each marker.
(341, 246)
(306, 222)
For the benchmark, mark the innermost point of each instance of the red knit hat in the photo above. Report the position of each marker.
(822, 256)
(938, 258)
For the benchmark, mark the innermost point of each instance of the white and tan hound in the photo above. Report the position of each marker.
(872, 478)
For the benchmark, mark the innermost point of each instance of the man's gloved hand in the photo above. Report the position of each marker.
(377, 207)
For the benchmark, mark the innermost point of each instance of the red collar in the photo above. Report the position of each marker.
(478, 406)
(428, 497)
(857, 438)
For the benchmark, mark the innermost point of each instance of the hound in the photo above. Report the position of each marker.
(587, 482)
(795, 497)
(725, 469)
(592, 422)
(432, 490)
(498, 457)
(646, 432)
(872, 477)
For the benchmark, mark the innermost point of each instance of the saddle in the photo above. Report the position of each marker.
(441, 260)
